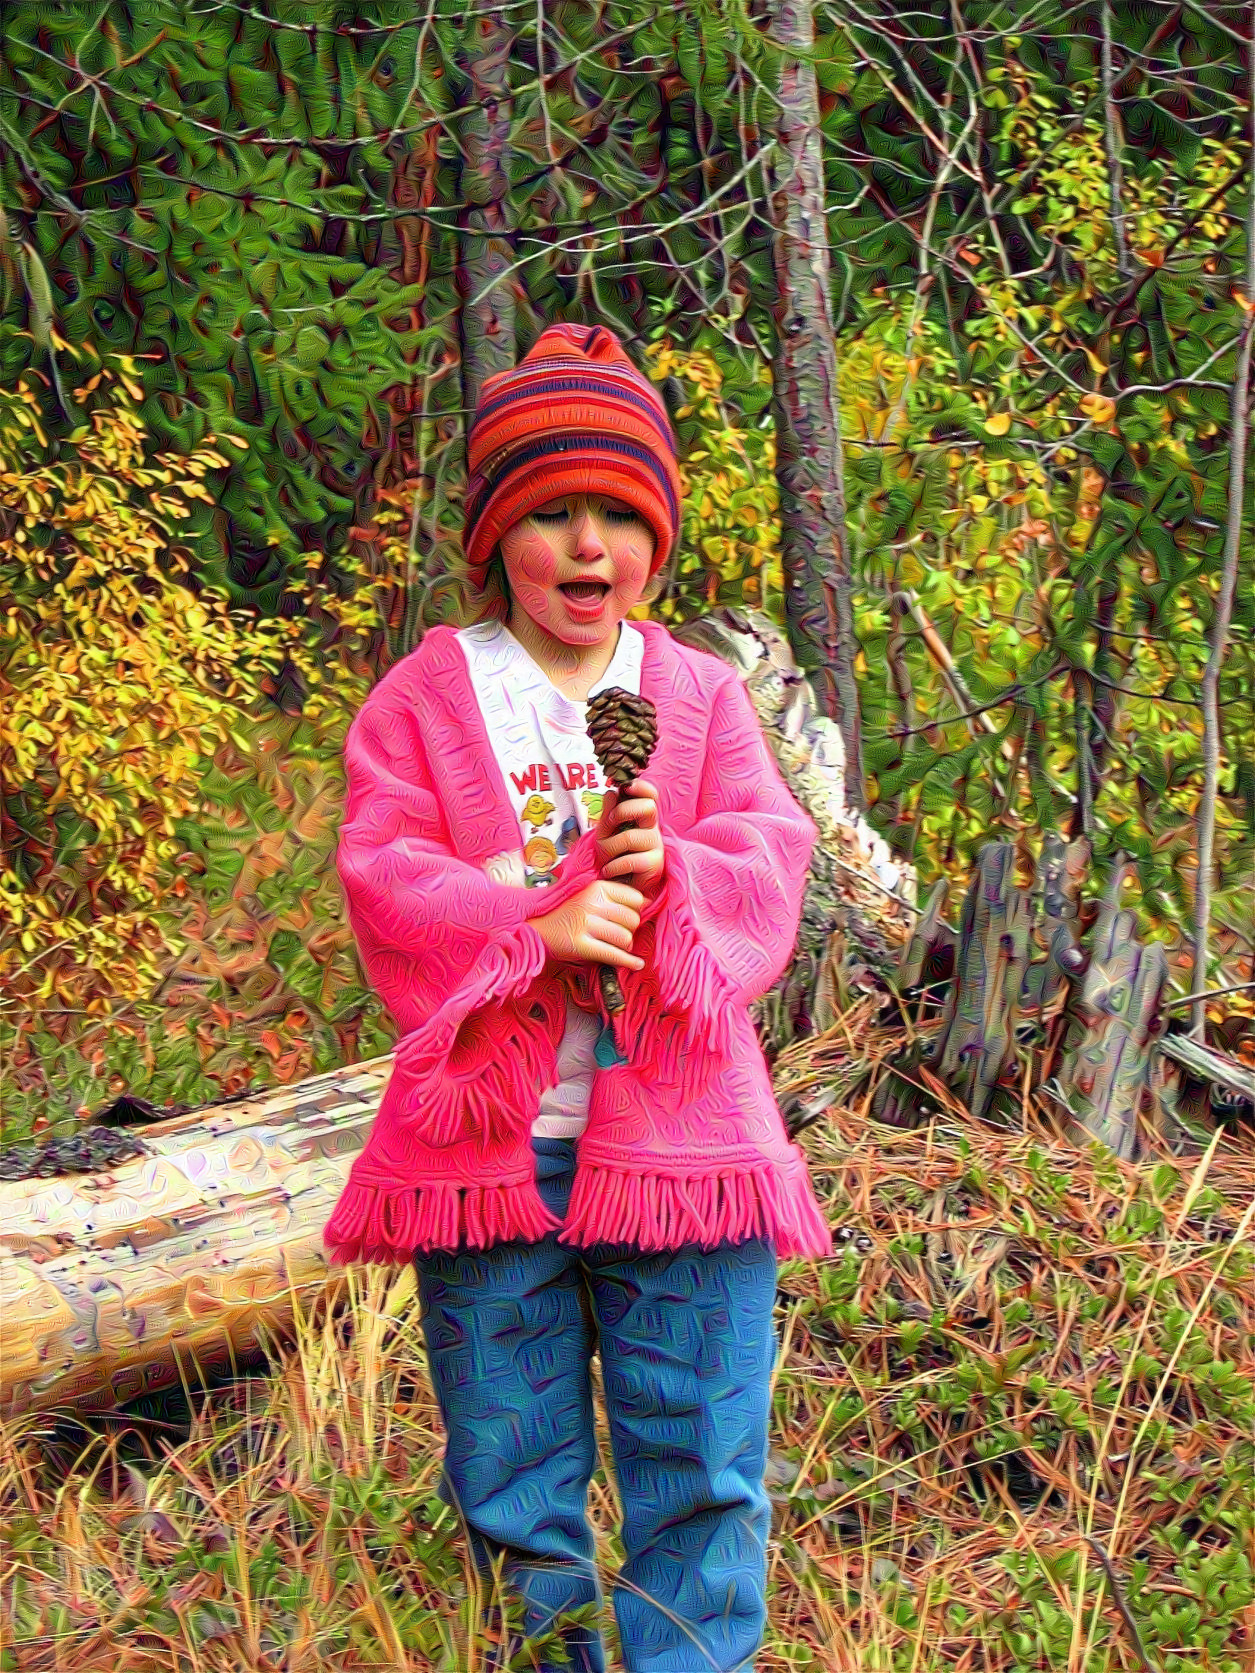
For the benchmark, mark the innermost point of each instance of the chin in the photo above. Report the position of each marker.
(560, 625)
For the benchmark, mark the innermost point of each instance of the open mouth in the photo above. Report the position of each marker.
(587, 590)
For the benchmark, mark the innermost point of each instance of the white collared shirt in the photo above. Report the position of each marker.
(539, 738)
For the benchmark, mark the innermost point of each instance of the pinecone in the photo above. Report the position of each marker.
(624, 730)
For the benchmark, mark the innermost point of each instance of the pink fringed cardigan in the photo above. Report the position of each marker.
(684, 1141)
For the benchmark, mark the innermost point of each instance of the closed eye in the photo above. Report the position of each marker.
(614, 514)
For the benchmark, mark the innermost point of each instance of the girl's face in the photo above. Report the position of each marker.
(578, 565)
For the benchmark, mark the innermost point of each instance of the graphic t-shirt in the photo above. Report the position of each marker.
(539, 738)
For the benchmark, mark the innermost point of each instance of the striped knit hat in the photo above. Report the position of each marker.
(573, 417)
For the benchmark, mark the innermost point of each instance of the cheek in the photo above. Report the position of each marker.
(530, 561)
(632, 561)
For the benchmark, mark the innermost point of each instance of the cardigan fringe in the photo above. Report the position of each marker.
(387, 1226)
(662, 1210)
(475, 1060)
(608, 1205)
(483, 1059)
(506, 1059)
(676, 1024)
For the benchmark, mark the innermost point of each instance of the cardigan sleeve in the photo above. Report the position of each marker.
(728, 911)
(428, 924)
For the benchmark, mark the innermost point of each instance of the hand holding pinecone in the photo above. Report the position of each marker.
(624, 731)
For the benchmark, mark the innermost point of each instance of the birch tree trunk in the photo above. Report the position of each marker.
(487, 314)
(1219, 636)
(806, 404)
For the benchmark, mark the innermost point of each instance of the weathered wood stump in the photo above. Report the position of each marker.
(1056, 926)
(976, 1055)
(974, 1052)
(1105, 1078)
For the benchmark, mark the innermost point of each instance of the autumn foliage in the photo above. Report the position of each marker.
(123, 678)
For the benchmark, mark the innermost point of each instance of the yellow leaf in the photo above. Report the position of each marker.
(998, 423)
(1100, 408)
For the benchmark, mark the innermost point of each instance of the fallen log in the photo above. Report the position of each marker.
(1197, 1086)
(859, 904)
(116, 1284)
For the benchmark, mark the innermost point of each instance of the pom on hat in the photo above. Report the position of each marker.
(573, 417)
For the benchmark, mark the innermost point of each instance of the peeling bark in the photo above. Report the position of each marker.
(487, 313)
(806, 405)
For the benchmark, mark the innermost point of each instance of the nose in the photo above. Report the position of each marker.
(589, 542)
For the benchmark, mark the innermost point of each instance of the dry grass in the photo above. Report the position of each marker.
(1014, 1421)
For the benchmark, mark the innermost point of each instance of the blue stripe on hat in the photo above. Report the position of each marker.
(550, 446)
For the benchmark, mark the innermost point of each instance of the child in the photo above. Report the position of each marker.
(566, 1182)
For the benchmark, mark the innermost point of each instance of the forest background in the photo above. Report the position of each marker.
(256, 261)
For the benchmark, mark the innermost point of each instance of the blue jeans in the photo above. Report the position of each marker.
(688, 1344)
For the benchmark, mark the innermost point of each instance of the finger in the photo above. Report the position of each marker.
(624, 893)
(600, 943)
(637, 855)
(634, 840)
(627, 913)
(622, 919)
(643, 787)
(613, 931)
(605, 954)
(640, 812)
(635, 865)
(610, 802)
(628, 916)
